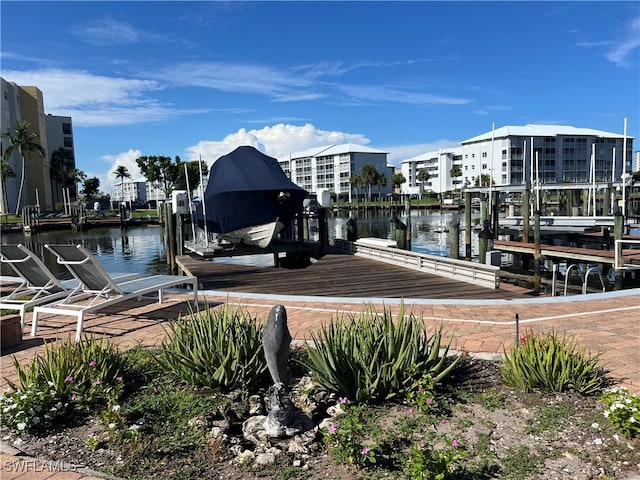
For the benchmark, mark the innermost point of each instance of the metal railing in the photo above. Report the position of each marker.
(470, 272)
(619, 258)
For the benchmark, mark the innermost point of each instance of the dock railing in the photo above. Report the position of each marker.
(619, 258)
(464, 271)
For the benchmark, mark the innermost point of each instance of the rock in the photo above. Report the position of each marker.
(255, 405)
(253, 429)
(265, 458)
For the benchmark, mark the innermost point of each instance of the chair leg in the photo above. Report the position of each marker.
(79, 326)
(34, 322)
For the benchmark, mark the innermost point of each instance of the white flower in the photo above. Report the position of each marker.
(595, 425)
(597, 441)
(50, 383)
(115, 408)
(134, 427)
(21, 426)
(112, 425)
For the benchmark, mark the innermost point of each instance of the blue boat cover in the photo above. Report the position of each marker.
(246, 188)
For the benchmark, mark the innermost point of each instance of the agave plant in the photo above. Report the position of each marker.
(552, 363)
(372, 358)
(220, 349)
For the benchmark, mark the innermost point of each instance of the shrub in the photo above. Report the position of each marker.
(552, 363)
(87, 372)
(221, 349)
(622, 409)
(433, 464)
(345, 437)
(372, 358)
(29, 410)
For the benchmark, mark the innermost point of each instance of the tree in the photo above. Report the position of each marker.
(455, 172)
(369, 177)
(354, 180)
(60, 163)
(167, 176)
(423, 177)
(121, 173)
(193, 174)
(381, 182)
(483, 180)
(23, 142)
(160, 171)
(5, 172)
(91, 187)
(396, 180)
(76, 176)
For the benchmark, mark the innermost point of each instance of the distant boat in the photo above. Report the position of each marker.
(248, 198)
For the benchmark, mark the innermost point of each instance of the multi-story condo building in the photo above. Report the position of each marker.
(329, 168)
(132, 192)
(439, 165)
(26, 104)
(517, 156)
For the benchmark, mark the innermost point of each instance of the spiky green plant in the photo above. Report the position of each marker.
(74, 370)
(552, 363)
(372, 358)
(217, 348)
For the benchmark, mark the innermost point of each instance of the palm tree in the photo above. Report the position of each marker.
(369, 177)
(23, 142)
(61, 161)
(423, 177)
(76, 176)
(122, 172)
(5, 172)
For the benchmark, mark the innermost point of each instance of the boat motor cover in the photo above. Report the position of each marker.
(247, 188)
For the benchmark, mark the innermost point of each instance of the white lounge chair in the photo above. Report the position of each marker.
(97, 290)
(36, 284)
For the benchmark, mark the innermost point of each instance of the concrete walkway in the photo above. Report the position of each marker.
(607, 323)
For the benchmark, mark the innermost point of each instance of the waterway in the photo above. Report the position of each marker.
(142, 249)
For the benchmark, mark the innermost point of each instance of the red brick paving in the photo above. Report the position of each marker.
(603, 324)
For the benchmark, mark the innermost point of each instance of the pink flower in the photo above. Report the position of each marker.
(92, 363)
(333, 428)
(455, 443)
(69, 379)
(364, 451)
(429, 401)
(443, 421)
(97, 382)
(74, 396)
(119, 379)
(409, 411)
(421, 390)
(343, 399)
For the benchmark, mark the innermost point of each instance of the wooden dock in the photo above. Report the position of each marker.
(338, 275)
(575, 254)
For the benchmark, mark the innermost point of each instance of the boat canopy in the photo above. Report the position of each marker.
(247, 188)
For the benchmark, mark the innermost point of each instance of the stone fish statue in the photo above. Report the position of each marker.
(276, 343)
(281, 420)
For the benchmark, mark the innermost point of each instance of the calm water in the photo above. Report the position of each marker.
(142, 249)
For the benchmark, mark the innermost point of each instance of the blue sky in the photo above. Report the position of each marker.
(200, 78)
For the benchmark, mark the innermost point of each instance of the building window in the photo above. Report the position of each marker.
(66, 128)
(68, 142)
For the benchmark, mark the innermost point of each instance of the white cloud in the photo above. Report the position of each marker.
(281, 140)
(623, 49)
(383, 94)
(95, 100)
(125, 159)
(277, 141)
(108, 31)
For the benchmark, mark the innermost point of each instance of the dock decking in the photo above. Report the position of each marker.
(338, 275)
